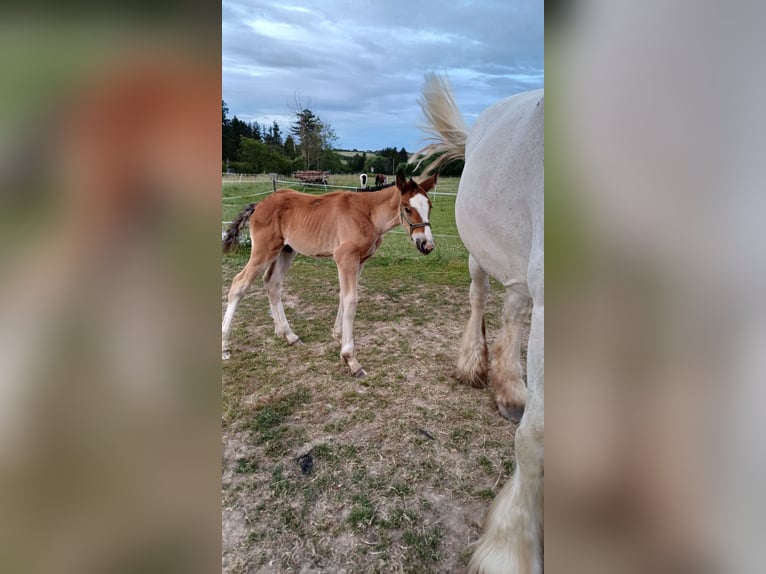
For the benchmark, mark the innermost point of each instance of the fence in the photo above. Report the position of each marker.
(272, 178)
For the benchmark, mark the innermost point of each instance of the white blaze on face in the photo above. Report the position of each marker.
(419, 202)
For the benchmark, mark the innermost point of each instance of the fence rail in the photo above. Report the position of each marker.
(271, 178)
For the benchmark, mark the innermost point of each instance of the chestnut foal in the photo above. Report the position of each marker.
(346, 226)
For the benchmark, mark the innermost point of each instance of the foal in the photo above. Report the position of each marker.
(348, 227)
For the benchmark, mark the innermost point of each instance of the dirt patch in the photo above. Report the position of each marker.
(404, 462)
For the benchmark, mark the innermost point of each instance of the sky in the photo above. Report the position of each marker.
(360, 66)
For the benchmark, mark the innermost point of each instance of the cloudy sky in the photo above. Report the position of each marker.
(360, 65)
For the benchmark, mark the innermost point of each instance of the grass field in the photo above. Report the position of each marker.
(323, 472)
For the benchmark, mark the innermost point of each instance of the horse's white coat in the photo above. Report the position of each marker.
(499, 214)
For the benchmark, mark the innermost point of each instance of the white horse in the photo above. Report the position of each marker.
(363, 180)
(499, 214)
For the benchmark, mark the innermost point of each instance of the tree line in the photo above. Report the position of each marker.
(257, 148)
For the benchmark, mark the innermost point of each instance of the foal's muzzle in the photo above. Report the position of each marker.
(424, 245)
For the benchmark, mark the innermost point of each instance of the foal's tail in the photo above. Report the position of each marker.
(446, 125)
(232, 234)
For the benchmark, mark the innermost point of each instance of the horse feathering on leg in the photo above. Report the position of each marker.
(499, 215)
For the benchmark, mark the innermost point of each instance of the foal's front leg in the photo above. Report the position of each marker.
(337, 330)
(349, 267)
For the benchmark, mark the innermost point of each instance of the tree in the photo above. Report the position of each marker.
(225, 113)
(289, 146)
(314, 137)
(255, 131)
(408, 168)
(329, 137)
(390, 158)
(307, 128)
(356, 163)
(263, 158)
(379, 164)
(273, 136)
(332, 161)
(453, 168)
(403, 156)
(254, 152)
(239, 129)
(228, 143)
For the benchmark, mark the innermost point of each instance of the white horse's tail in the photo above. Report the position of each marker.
(446, 126)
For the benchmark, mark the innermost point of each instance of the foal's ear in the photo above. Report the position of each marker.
(401, 181)
(429, 183)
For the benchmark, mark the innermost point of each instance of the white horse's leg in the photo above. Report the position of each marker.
(507, 379)
(513, 531)
(273, 279)
(239, 286)
(348, 273)
(473, 357)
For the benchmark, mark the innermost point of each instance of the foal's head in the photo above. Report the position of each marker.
(415, 209)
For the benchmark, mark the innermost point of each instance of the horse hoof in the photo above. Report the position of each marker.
(513, 412)
(225, 355)
(360, 373)
(292, 338)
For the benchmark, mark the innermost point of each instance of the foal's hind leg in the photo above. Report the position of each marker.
(473, 358)
(239, 286)
(273, 279)
(507, 379)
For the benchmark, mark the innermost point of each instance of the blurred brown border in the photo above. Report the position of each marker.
(109, 230)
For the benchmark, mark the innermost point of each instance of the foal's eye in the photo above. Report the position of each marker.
(408, 211)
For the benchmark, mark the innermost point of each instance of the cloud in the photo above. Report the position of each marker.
(361, 65)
